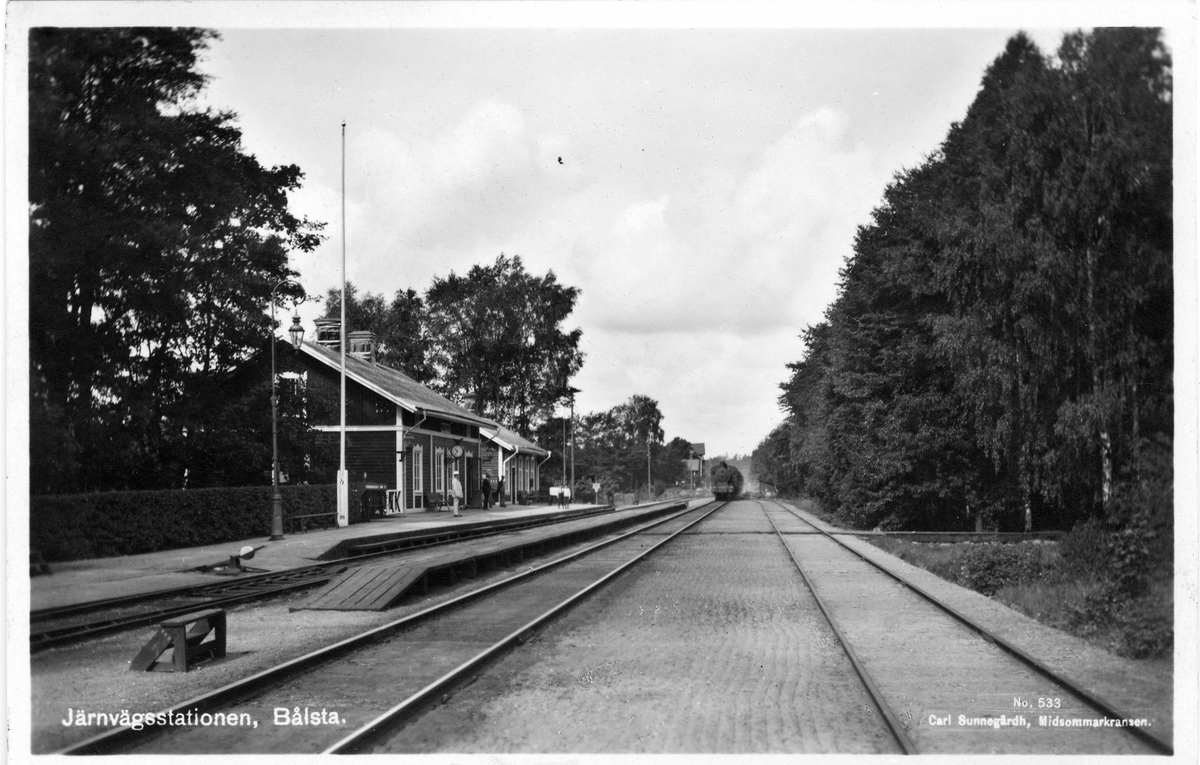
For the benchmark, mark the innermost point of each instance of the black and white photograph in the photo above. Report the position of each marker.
(507, 382)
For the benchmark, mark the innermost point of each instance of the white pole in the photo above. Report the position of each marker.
(343, 478)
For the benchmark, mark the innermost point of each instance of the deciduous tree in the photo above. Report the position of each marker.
(155, 242)
(497, 332)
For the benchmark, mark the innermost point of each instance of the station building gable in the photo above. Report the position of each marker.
(405, 440)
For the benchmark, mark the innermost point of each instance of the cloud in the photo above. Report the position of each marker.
(695, 282)
(745, 255)
(469, 187)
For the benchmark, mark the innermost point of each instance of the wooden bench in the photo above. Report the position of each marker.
(303, 519)
(184, 635)
(437, 502)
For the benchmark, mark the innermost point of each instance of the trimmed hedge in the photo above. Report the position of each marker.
(80, 526)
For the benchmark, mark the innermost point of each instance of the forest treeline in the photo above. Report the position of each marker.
(1000, 350)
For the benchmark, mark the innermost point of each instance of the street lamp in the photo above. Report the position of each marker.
(296, 334)
(572, 391)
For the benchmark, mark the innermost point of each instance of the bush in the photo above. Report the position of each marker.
(78, 526)
(1141, 519)
(1134, 627)
(988, 567)
(1084, 549)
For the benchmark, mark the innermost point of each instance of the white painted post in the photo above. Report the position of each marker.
(343, 498)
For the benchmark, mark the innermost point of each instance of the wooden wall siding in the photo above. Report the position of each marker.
(527, 478)
(526, 474)
(444, 443)
(490, 466)
(411, 469)
(526, 471)
(373, 454)
(363, 406)
(428, 443)
(448, 428)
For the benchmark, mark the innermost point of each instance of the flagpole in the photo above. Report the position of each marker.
(343, 479)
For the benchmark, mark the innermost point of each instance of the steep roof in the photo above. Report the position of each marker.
(511, 440)
(393, 385)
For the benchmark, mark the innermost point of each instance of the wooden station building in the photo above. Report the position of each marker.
(403, 439)
(514, 458)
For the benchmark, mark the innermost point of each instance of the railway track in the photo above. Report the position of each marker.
(1062, 688)
(895, 726)
(422, 656)
(357, 695)
(52, 627)
(919, 607)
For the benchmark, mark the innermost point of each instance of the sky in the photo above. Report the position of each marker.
(700, 183)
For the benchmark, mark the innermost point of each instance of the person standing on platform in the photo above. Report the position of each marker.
(456, 490)
(487, 491)
(500, 489)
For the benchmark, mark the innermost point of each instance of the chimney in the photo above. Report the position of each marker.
(362, 345)
(328, 333)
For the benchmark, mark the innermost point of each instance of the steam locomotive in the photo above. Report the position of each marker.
(726, 481)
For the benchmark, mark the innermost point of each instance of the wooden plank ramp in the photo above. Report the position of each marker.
(370, 588)
(380, 586)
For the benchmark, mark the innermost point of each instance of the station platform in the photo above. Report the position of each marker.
(85, 581)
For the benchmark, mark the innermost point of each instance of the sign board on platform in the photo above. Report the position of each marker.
(343, 498)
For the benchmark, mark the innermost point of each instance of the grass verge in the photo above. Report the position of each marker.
(1035, 579)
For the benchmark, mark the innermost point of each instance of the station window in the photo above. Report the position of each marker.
(418, 466)
(439, 470)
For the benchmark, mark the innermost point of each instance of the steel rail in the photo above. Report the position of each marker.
(54, 613)
(1110, 710)
(317, 574)
(46, 639)
(889, 716)
(358, 741)
(116, 739)
(431, 539)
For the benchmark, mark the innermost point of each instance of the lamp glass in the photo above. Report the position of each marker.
(296, 332)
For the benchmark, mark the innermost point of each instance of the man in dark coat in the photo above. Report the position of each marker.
(487, 492)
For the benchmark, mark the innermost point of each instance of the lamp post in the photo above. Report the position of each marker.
(296, 333)
(572, 391)
(343, 476)
(469, 488)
